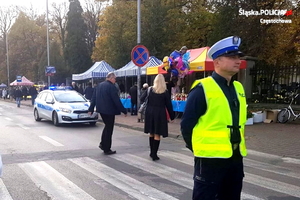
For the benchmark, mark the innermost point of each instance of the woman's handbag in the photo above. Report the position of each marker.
(142, 109)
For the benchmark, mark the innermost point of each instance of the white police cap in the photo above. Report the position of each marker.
(226, 47)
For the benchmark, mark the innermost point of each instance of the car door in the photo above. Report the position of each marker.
(40, 104)
(49, 103)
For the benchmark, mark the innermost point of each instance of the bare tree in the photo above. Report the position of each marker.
(7, 16)
(92, 10)
(59, 21)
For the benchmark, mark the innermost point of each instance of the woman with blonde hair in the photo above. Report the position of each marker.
(155, 116)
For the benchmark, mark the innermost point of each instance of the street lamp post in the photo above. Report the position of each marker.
(7, 57)
(138, 42)
(48, 48)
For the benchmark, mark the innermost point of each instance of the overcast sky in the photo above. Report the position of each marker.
(28, 3)
(35, 4)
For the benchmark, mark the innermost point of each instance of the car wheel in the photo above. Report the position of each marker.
(92, 123)
(36, 115)
(55, 119)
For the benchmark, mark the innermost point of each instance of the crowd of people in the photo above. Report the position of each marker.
(19, 93)
(212, 125)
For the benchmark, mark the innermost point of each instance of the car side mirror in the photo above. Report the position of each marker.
(49, 102)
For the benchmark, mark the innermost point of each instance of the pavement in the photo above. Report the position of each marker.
(271, 138)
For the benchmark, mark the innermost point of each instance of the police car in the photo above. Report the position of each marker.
(61, 105)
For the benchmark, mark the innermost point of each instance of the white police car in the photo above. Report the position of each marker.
(63, 106)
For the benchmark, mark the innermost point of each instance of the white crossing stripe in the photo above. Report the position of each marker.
(7, 118)
(176, 176)
(250, 178)
(169, 173)
(23, 127)
(272, 184)
(263, 155)
(55, 184)
(291, 160)
(51, 141)
(190, 161)
(4, 194)
(125, 183)
(247, 162)
(270, 168)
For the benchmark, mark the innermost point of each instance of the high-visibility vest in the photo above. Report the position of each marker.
(211, 135)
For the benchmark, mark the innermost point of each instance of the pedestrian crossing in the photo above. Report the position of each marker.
(136, 176)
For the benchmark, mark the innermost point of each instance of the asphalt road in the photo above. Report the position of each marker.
(42, 161)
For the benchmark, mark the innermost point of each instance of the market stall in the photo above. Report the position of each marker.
(3, 85)
(192, 61)
(98, 70)
(23, 82)
(198, 61)
(130, 69)
(178, 105)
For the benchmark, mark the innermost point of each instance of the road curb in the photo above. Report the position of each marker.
(171, 135)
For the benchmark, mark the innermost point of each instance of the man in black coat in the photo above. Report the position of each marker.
(133, 95)
(89, 90)
(33, 93)
(108, 104)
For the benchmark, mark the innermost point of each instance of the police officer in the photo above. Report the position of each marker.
(213, 126)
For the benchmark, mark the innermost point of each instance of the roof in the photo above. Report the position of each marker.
(130, 69)
(24, 81)
(98, 70)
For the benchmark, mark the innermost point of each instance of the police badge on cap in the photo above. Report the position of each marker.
(226, 47)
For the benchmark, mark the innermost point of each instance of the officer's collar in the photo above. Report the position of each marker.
(220, 79)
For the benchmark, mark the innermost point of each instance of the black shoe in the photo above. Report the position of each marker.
(154, 158)
(100, 146)
(110, 152)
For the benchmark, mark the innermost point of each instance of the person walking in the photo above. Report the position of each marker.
(141, 115)
(24, 92)
(108, 104)
(80, 89)
(18, 95)
(144, 89)
(155, 116)
(74, 87)
(89, 90)
(33, 93)
(213, 125)
(4, 93)
(133, 96)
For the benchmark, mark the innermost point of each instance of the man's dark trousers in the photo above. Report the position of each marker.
(220, 179)
(109, 121)
(133, 108)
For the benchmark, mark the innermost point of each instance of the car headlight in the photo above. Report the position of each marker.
(65, 110)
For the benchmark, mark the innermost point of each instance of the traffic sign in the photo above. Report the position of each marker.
(19, 78)
(140, 55)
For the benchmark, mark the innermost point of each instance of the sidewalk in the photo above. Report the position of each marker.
(274, 138)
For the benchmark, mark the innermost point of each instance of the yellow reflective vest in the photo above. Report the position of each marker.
(211, 136)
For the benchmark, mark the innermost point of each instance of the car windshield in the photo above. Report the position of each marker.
(68, 97)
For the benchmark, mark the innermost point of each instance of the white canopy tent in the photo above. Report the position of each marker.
(130, 69)
(98, 70)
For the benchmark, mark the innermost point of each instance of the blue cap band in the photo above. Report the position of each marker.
(224, 51)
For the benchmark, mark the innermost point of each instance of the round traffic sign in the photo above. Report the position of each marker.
(140, 55)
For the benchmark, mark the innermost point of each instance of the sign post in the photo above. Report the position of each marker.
(139, 56)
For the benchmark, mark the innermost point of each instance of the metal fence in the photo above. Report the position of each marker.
(275, 84)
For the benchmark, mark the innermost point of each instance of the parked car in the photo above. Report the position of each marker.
(61, 105)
